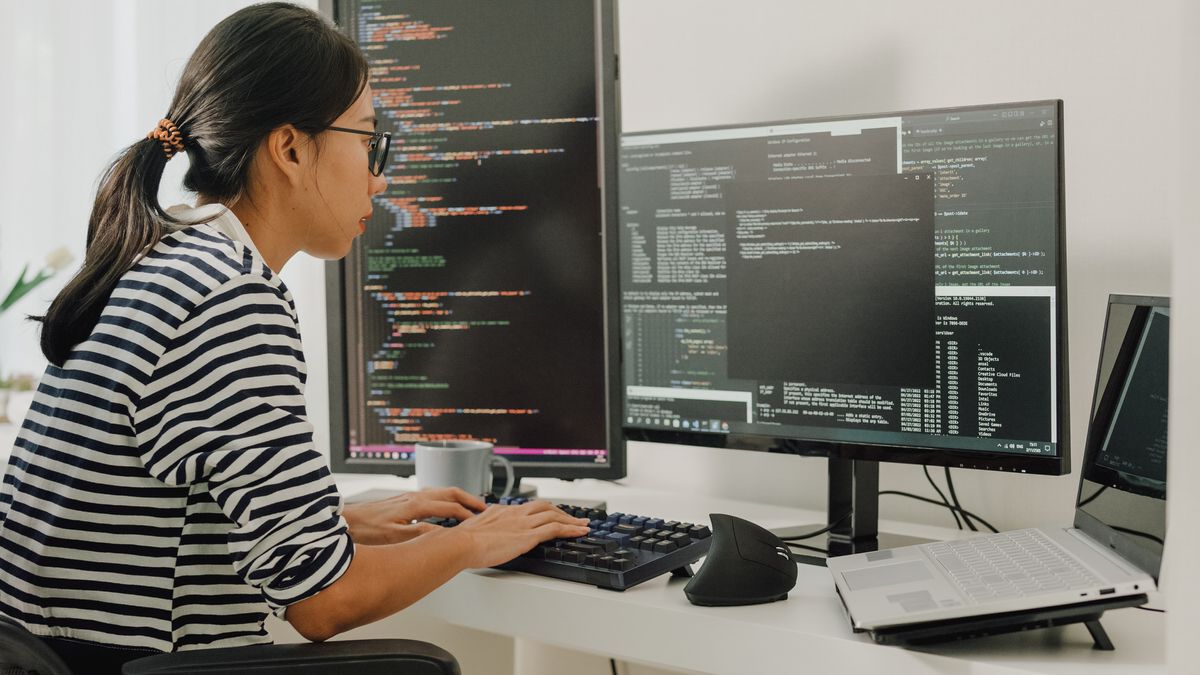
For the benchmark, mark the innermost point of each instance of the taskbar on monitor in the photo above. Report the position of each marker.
(893, 439)
(405, 453)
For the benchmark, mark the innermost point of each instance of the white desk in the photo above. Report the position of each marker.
(654, 623)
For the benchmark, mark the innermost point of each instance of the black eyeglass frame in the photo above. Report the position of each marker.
(376, 160)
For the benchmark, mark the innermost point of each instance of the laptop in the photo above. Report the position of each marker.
(1112, 554)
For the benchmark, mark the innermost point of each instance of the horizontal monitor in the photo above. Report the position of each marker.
(886, 287)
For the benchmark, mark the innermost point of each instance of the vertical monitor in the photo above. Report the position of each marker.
(883, 287)
(475, 304)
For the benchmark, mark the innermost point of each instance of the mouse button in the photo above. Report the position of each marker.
(758, 545)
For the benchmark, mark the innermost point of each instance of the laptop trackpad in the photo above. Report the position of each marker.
(887, 575)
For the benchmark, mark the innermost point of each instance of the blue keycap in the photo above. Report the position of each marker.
(619, 537)
(654, 523)
(640, 521)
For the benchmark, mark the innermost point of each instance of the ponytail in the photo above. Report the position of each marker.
(126, 222)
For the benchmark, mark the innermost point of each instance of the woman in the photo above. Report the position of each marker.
(164, 492)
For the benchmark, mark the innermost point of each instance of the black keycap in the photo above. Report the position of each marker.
(664, 546)
(648, 544)
(650, 532)
(635, 542)
(626, 529)
(699, 532)
(583, 548)
(604, 543)
(669, 525)
(680, 539)
(596, 514)
(591, 560)
(683, 527)
(553, 553)
(605, 561)
(624, 553)
(572, 556)
(622, 564)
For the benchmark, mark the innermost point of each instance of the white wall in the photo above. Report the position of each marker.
(1183, 463)
(714, 62)
(82, 79)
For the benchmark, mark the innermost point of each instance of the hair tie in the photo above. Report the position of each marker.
(168, 134)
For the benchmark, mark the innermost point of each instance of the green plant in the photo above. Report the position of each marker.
(56, 260)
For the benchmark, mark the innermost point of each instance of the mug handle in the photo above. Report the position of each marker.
(508, 473)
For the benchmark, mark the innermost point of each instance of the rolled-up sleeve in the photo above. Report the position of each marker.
(225, 407)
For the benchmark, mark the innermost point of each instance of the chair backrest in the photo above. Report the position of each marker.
(22, 652)
(337, 657)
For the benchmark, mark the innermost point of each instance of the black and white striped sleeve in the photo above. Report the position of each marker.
(224, 411)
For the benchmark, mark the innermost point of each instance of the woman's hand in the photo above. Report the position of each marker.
(390, 521)
(502, 533)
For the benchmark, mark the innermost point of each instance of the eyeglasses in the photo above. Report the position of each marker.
(377, 150)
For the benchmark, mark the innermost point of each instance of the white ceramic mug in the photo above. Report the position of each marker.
(463, 464)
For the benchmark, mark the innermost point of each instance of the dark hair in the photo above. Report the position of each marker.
(262, 67)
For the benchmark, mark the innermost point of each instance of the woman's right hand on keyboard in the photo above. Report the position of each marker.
(501, 533)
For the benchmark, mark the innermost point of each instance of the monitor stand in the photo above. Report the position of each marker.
(853, 488)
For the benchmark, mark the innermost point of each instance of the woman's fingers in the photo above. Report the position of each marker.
(430, 509)
(453, 494)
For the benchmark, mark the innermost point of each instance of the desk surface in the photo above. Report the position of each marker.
(654, 623)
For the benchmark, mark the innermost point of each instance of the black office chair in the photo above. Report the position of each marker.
(22, 653)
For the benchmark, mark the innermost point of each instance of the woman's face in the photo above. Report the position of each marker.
(341, 184)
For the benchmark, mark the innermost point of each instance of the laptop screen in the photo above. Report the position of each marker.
(1123, 491)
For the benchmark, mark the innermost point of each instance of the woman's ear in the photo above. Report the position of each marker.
(286, 149)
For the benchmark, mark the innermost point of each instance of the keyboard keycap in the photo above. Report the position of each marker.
(619, 537)
(622, 564)
(664, 546)
(583, 548)
(680, 539)
(603, 542)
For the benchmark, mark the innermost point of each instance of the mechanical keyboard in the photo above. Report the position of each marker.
(621, 551)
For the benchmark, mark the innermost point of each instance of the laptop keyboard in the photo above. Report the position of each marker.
(1009, 565)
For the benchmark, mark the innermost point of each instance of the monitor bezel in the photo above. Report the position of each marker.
(608, 72)
(1057, 465)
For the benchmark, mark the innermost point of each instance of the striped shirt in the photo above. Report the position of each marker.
(164, 491)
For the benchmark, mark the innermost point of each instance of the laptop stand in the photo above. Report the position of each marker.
(933, 632)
